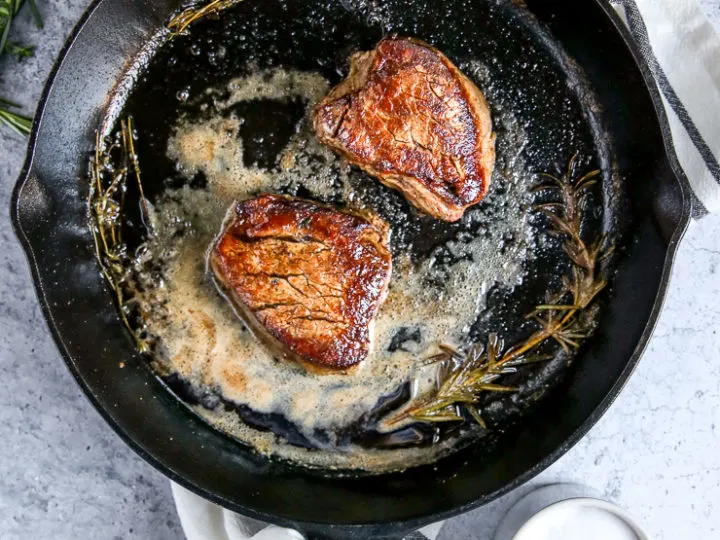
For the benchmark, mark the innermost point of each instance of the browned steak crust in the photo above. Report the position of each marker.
(308, 278)
(406, 115)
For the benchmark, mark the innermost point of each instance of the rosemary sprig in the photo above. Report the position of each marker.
(180, 22)
(106, 200)
(8, 9)
(465, 376)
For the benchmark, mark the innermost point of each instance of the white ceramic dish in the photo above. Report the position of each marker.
(568, 512)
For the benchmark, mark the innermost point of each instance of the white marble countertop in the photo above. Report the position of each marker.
(65, 475)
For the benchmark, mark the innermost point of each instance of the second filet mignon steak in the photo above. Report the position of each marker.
(307, 278)
(409, 117)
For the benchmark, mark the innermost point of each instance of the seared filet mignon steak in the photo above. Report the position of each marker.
(406, 115)
(306, 277)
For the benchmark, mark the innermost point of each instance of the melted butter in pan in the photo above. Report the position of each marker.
(430, 301)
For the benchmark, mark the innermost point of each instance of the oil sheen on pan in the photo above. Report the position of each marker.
(220, 126)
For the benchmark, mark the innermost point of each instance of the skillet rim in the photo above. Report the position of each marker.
(394, 525)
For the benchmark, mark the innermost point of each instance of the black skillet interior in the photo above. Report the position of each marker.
(542, 112)
(50, 215)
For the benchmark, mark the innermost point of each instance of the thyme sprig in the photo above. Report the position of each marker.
(182, 21)
(464, 377)
(8, 9)
(106, 200)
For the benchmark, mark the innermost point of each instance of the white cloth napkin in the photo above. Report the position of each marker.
(683, 51)
(203, 520)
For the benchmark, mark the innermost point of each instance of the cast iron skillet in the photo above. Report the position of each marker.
(49, 213)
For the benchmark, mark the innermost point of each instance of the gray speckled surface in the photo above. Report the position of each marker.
(65, 475)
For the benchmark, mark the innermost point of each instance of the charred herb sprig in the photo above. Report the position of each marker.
(8, 9)
(180, 22)
(106, 199)
(464, 376)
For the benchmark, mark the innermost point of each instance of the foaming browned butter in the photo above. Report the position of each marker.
(201, 338)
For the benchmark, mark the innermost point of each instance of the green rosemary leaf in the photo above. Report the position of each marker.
(19, 51)
(585, 180)
(18, 123)
(5, 32)
(7, 103)
(555, 307)
(476, 415)
(495, 388)
(438, 417)
(36, 13)
(8, 9)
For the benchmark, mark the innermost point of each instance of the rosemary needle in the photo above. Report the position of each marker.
(18, 123)
(35, 12)
(19, 51)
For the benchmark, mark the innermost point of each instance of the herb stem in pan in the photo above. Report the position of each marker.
(106, 204)
(465, 376)
(180, 22)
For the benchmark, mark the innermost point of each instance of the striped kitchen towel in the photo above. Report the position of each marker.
(203, 520)
(682, 49)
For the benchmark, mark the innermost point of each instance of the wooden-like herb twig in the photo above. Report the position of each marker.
(106, 203)
(180, 22)
(464, 376)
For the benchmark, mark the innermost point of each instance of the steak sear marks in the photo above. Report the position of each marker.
(409, 117)
(306, 278)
